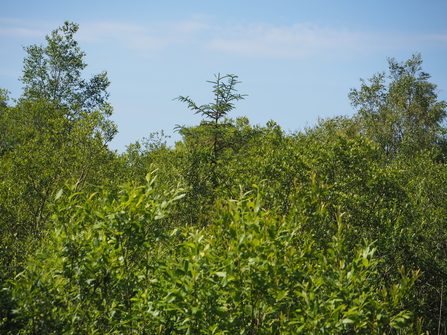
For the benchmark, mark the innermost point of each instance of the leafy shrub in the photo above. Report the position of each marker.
(110, 267)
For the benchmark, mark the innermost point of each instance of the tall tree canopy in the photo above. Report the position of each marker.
(56, 133)
(53, 73)
(402, 113)
(215, 114)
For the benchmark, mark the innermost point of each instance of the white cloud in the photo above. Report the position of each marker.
(126, 35)
(20, 32)
(439, 39)
(150, 37)
(18, 28)
(259, 40)
(305, 40)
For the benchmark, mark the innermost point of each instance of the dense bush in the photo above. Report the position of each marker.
(339, 228)
(109, 266)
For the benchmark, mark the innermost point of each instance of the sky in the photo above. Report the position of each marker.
(297, 60)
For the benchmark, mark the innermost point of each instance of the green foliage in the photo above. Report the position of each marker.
(44, 150)
(396, 202)
(404, 115)
(253, 273)
(4, 97)
(108, 266)
(344, 234)
(139, 156)
(98, 255)
(213, 127)
(224, 94)
(53, 73)
(206, 179)
(56, 133)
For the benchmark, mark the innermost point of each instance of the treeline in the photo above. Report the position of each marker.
(237, 228)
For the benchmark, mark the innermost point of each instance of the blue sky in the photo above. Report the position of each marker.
(297, 60)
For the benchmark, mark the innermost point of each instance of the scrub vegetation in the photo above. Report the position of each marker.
(237, 228)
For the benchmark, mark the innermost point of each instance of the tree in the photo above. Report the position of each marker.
(56, 133)
(224, 95)
(203, 148)
(4, 97)
(53, 73)
(402, 114)
(44, 151)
